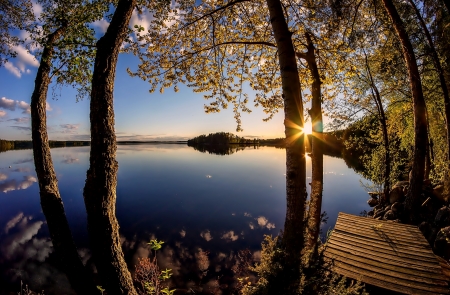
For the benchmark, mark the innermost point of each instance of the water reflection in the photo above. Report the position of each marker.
(13, 184)
(163, 192)
(222, 150)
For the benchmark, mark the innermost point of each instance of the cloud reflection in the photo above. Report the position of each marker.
(23, 256)
(230, 236)
(206, 235)
(12, 184)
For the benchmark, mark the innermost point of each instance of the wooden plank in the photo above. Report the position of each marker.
(386, 278)
(389, 255)
(374, 280)
(367, 242)
(376, 251)
(354, 217)
(387, 269)
(403, 236)
(401, 267)
(391, 226)
(445, 267)
(381, 236)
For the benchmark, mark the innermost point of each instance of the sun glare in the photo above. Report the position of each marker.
(307, 129)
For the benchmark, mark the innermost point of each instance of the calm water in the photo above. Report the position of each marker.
(195, 202)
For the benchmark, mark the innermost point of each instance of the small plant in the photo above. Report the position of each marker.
(101, 289)
(150, 277)
(24, 290)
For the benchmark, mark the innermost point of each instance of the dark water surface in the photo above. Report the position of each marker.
(198, 203)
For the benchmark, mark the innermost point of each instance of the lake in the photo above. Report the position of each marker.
(205, 207)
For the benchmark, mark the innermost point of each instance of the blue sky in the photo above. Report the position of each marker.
(139, 114)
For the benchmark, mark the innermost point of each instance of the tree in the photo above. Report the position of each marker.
(66, 41)
(14, 14)
(440, 71)
(315, 203)
(100, 188)
(420, 121)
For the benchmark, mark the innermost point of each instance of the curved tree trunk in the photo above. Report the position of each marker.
(383, 122)
(293, 237)
(412, 202)
(51, 201)
(440, 70)
(101, 181)
(315, 203)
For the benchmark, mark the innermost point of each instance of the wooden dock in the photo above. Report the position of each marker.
(389, 255)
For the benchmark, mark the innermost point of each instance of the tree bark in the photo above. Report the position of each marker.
(315, 202)
(447, 5)
(101, 181)
(293, 236)
(383, 122)
(440, 70)
(51, 202)
(412, 202)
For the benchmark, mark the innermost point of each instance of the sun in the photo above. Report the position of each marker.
(307, 128)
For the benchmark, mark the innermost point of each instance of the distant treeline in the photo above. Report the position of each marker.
(332, 142)
(221, 138)
(6, 145)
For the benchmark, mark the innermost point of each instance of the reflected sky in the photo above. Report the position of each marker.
(204, 206)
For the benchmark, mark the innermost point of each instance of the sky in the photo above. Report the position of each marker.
(139, 115)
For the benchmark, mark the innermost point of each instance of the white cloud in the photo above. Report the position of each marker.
(20, 120)
(144, 19)
(24, 58)
(24, 106)
(2, 113)
(48, 107)
(37, 9)
(7, 104)
(102, 25)
(12, 69)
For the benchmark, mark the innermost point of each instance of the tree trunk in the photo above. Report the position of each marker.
(315, 203)
(293, 236)
(412, 202)
(440, 70)
(383, 122)
(100, 188)
(51, 202)
(447, 5)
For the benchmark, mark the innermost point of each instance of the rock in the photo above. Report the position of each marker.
(441, 245)
(374, 195)
(370, 213)
(401, 183)
(379, 213)
(396, 195)
(372, 202)
(377, 207)
(389, 215)
(438, 192)
(397, 207)
(442, 218)
(427, 182)
(425, 228)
